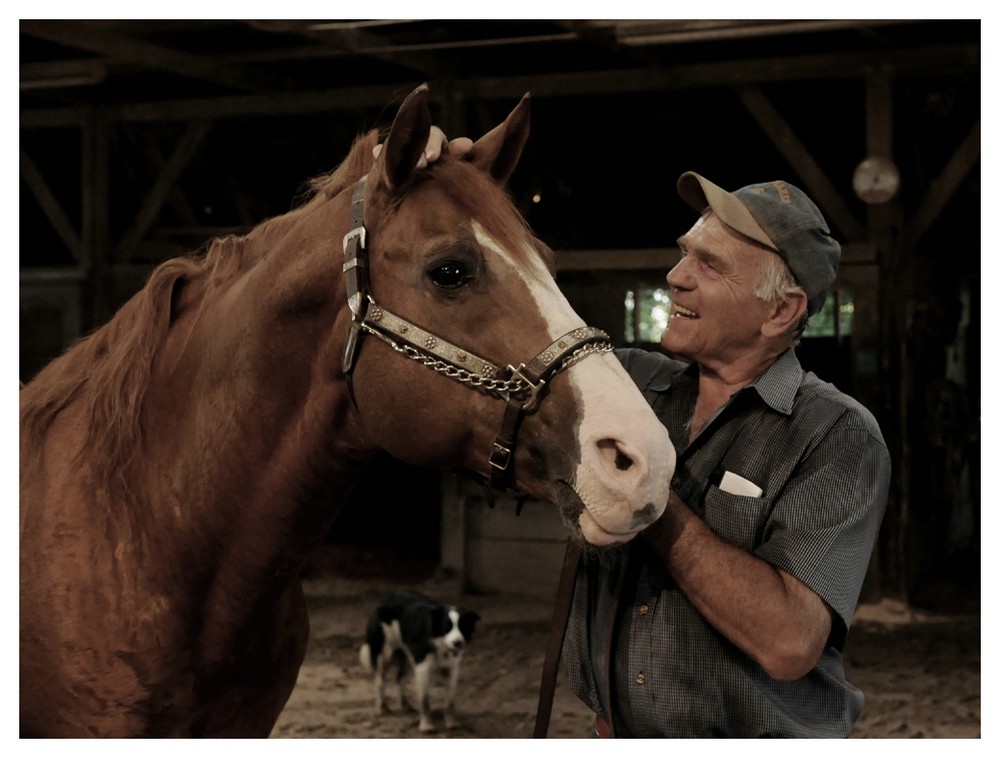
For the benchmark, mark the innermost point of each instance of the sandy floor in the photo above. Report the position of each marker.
(920, 671)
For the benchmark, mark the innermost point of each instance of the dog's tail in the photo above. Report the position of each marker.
(365, 656)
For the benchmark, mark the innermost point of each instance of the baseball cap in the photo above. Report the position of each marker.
(779, 216)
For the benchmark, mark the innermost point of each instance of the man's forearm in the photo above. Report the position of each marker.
(767, 613)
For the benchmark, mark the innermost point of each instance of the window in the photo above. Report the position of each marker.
(834, 319)
(647, 310)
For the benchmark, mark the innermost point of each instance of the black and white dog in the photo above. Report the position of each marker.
(419, 635)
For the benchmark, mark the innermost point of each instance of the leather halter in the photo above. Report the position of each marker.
(522, 388)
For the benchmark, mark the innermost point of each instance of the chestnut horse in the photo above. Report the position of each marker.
(179, 465)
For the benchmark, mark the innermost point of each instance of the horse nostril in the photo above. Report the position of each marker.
(622, 461)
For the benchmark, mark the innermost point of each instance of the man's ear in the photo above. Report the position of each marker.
(785, 314)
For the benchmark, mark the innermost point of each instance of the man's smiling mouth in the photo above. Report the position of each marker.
(683, 312)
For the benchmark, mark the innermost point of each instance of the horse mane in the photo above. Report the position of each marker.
(109, 370)
(357, 163)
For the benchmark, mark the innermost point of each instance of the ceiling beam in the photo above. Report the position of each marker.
(352, 39)
(119, 48)
(931, 60)
(50, 206)
(964, 159)
(798, 156)
(162, 187)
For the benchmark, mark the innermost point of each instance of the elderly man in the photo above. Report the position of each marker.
(729, 616)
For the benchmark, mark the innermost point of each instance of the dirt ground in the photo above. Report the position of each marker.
(919, 670)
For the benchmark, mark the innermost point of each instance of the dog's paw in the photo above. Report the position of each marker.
(426, 726)
(452, 722)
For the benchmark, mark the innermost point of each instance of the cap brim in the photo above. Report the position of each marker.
(700, 193)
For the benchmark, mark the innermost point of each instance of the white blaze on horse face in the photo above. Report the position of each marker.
(626, 458)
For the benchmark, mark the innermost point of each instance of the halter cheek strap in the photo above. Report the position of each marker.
(356, 278)
(522, 388)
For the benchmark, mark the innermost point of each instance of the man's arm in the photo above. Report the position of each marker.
(766, 612)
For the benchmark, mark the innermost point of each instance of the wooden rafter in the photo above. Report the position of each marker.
(193, 136)
(796, 153)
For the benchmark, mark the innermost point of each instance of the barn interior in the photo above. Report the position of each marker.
(140, 140)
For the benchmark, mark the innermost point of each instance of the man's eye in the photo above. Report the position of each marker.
(449, 275)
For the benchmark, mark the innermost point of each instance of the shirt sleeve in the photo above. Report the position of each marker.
(823, 527)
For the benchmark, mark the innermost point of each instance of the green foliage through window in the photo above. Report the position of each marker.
(646, 313)
(834, 319)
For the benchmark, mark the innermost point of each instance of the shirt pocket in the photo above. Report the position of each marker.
(738, 519)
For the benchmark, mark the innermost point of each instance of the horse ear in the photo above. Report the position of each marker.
(498, 151)
(405, 144)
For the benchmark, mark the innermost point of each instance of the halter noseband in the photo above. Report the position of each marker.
(521, 388)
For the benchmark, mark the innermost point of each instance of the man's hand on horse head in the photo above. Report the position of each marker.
(437, 145)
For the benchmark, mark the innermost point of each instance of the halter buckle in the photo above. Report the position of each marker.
(534, 388)
(500, 457)
(358, 233)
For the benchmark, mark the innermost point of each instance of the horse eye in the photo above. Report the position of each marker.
(449, 275)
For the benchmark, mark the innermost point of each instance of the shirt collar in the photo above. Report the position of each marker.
(777, 385)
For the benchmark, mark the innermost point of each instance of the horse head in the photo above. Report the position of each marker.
(460, 292)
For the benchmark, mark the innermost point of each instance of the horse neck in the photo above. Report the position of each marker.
(251, 388)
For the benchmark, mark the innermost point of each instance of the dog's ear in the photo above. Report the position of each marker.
(467, 623)
(440, 623)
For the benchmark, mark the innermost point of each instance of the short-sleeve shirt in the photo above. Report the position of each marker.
(821, 464)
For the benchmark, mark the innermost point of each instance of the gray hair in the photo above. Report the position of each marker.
(774, 284)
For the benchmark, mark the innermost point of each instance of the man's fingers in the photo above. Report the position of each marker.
(459, 146)
(437, 144)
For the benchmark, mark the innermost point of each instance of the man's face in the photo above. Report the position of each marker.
(715, 318)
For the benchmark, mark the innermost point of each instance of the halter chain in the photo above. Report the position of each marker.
(521, 387)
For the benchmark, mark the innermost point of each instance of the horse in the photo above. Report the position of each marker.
(179, 464)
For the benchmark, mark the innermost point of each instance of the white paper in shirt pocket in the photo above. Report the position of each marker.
(737, 485)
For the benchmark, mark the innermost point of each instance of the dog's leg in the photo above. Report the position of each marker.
(380, 666)
(421, 682)
(450, 719)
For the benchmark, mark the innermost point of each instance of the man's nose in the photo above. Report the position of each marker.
(678, 277)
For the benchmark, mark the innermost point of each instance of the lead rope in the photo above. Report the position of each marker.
(560, 620)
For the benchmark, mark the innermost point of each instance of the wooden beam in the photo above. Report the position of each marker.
(351, 39)
(95, 196)
(820, 187)
(941, 190)
(120, 48)
(656, 259)
(934, 60)
(36, 76)
(157, 162)
(193, 136)
(50, 206)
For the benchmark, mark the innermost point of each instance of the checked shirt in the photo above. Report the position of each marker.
(635, 641)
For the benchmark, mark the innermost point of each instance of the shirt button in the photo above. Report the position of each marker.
(641, 679)
(643, 610)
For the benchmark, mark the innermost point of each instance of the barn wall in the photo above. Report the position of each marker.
(501, 550)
